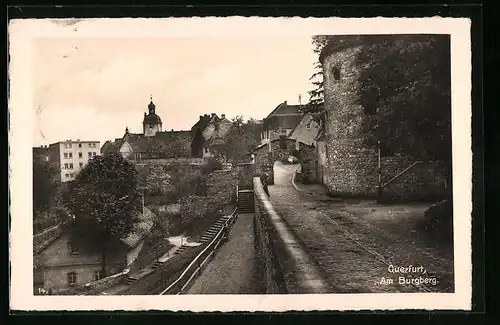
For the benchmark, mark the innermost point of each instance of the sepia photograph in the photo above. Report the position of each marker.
(240, 164)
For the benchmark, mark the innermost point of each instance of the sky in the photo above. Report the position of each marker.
(92, 88)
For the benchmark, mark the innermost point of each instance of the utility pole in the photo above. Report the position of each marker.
(379, 194)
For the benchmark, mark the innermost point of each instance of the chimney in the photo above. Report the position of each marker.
(284, 102)
(201, 117)
(213, 114)
(223, 116)
(172, 130)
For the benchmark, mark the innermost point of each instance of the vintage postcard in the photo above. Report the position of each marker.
(240, 164)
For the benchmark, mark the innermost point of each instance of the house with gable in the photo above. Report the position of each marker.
(281, 122)
(209, 135)
(153, 142)
(306, 131)
(66, 263)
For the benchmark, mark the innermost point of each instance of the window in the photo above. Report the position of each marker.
(70, 155)
(66, 166)
(90, 154)
(97, 275)
(73, 249)
(72, 175)
(65, 155)
(71, 278)
(46, 158)
(79, 145)
(81, 165)
(66, 175)
(71, 166)
(336, 73)
(94, 154)
(80, 155)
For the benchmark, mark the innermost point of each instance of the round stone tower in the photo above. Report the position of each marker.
(351, 161)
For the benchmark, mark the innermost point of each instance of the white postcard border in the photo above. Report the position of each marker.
(23, 32)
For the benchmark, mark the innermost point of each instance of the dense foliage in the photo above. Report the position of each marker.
(154, 180)
(316, 95)
(105, 201)
(242, 139)
(44, 186)
(405, 85)
(197, 144)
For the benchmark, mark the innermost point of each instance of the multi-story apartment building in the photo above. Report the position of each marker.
(69, 157)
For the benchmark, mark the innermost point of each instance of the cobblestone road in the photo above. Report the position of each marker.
(358, 243)
(233, 269)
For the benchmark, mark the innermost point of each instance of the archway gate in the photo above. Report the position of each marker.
(267, 154)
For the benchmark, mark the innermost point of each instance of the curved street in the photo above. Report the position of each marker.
(359, 245)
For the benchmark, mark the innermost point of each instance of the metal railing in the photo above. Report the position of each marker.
(196, 265)
(399, 174)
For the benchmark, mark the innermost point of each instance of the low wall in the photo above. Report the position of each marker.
(284, 266)
(171, 161)
(100, 285)
(44, 238)
(222, 183)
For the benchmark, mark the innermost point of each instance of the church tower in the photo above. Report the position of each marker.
(152, 122)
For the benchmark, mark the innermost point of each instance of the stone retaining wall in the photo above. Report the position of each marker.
(284, 266)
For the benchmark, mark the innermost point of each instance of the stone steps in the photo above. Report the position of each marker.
(246, 202)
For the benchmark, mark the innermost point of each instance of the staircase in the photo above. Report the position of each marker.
(245, 202)
(213, 230)
(130, 280)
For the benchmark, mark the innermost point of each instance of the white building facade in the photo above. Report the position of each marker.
(70, 156)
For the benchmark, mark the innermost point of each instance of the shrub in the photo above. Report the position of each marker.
(210, 166)
(439, 217)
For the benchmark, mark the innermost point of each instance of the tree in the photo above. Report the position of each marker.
(315, 105)
(197, 144)
(158, 181)
(105, 201)
(44, 185)
(242, 138)
(406, 87)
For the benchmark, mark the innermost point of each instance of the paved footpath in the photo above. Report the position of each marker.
(355, 242)
(233, 268)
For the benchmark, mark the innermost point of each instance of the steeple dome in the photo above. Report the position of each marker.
(151, 122)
